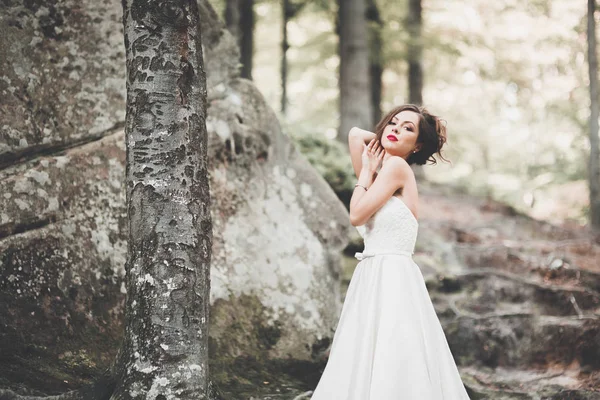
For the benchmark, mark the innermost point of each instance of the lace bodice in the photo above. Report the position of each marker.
(393, 228)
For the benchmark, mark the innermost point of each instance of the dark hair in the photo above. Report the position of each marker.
(432, 134)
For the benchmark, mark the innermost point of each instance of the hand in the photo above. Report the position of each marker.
(372, 156)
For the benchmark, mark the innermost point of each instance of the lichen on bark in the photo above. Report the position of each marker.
(165, 349)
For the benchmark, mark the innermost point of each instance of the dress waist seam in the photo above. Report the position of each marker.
(362, 256)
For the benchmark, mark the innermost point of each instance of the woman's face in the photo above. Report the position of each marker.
(400, 136)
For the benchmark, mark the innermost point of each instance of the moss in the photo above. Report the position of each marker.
(268, 336)
(79, 360)
(59, 368)
(320, 346)
(246, 377)
(241, 323)
(48, 343)
(330, 159)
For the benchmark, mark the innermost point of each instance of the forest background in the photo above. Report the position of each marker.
(518, 297)
(510, 78)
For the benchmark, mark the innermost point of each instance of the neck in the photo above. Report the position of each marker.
(388, 155)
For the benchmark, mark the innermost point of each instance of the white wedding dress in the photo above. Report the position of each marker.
(389, 344)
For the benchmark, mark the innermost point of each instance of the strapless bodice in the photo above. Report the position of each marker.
(392, 229)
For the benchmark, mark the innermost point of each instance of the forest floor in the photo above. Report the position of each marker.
(519, 300)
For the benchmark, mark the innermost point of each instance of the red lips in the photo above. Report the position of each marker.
(392, 138)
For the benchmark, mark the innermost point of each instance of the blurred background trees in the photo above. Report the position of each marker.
(354, 76)
(510, 78)
(414, 55)
(594, 159)
(239, 18)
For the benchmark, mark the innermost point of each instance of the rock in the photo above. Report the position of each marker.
(522, 340)
(62, 80)
(62, 268)
(518, 329)
(278, 228)
(466, 237)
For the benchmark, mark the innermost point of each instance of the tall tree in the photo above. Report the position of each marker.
(286, 11)
(414, 25)
(165, 347)
(375, 25)
(289, 10)
(355, 86)
(239, 18)
(594, 162)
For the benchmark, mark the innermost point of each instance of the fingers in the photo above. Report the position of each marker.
(373, 146)
(375, 150)
(372, 143)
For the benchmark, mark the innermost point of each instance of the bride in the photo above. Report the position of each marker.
(389, 344)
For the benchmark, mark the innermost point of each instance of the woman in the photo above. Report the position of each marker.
(389, 344)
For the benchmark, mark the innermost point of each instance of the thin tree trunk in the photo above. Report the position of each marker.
(355, 86)
(239, 18)
(232, 18)
(284, 48)
(247, 38)
(594, 163)
(165, 347)
(376, 58)
(414, 26)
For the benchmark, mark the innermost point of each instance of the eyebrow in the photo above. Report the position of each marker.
(394, 118)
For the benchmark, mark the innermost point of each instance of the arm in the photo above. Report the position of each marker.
(357, 138)
(393, 175)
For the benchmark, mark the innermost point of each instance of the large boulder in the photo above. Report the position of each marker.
(62, 75)
(278, 227)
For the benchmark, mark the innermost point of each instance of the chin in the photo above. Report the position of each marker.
(387, 145)
(393, 151)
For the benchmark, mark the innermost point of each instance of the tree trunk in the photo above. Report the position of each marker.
(239, 18)
(355, 86)
(594, 163)
(414, 24)
(165, 348)
(232, 18)
(284, 48)
(376, 58)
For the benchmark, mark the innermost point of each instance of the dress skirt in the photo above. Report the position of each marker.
(389, 343)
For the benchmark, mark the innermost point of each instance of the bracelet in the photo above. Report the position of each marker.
(358, 185)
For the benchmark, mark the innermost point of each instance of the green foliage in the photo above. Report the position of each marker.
(509, 77)
(330, 158)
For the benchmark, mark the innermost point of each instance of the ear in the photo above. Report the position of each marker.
(418, 147)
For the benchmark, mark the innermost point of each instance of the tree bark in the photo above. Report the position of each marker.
(414, 24)
(232, 18)
(355, 86)
(165, 347)
(594, 162)
(286, 10)
(376, 58)
(239, 18)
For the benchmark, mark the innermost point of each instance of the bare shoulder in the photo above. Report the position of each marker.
(397, 166)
